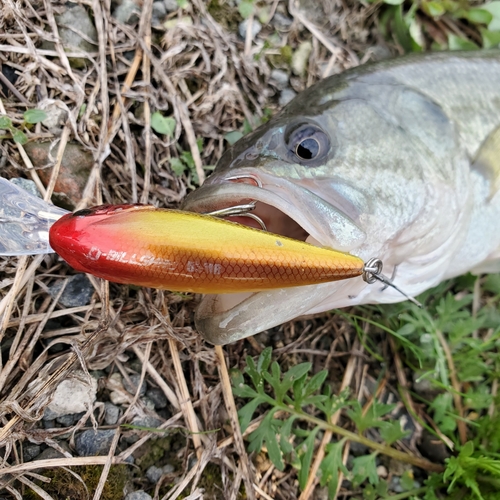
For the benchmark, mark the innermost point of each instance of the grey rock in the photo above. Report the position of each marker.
(90, 443)
(69, 420)
(147, 421)
(31, 451)
(49, 453)
(27, 185)
(147, 403)
(358, 449)
(256, 27)
(159, 13)
(127, 12)
(168, 469)
(132, 387)
(158, 398)
(286, 96)
(433, 448)
(78, 291)
(138, 495)
(154, 474)
(282, 21)
(279, 79)
(56, 117)
(171, 5)
(130, 460)
(48, 423)
(73, 21)
(111, 413)
(72, 395)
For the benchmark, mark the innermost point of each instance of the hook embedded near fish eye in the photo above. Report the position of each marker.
(372, 272)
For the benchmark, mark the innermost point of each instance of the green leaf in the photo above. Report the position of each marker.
(267, 433)
(494, 9)
(233, 136)
(34, 116)
(305, 452)
(401, 29)
(286, 430)
(433, 9)
(246, 413)
(177, 166)
(182, 3)
(5, 122)
(163, 125)
(457, 43)
(407, 480)
(246, 8)
(478, 16)
(394, 2)
(372, 416)
(364, 468)
(392, 432)
(491, 39)
(19, 137)
(331, 465)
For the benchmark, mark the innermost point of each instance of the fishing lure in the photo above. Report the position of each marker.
(183, 251)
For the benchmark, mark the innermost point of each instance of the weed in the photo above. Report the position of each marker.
(30, 117)
(454, 346)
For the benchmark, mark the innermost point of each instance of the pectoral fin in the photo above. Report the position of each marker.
(487, 161)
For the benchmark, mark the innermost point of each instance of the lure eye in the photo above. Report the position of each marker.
(307, 144)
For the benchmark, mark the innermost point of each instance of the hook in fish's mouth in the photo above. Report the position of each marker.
(279, 206)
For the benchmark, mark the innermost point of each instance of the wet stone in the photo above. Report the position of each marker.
(279, 79)
(286, 96)
(158, 398)
(138, 495)
(242, 28)
(111, 413)
(154, 474)
(30, 452)
(78, 291)
(90, 443)
(132, 387)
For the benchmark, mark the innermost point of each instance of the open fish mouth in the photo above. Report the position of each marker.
(279, 206)
(282, 207)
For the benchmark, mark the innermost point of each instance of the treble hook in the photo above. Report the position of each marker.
(372, 272)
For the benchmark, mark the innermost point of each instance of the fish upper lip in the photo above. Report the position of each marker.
(321, 220)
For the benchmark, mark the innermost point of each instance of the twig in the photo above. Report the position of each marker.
(235, 425)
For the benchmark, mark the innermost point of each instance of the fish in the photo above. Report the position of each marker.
(397, 159)
(186, 252)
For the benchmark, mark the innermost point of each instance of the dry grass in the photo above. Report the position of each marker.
(210, 81)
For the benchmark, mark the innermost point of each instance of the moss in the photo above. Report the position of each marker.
(225, 15)
(64, 485)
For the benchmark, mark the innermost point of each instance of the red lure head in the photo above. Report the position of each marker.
(72, 238)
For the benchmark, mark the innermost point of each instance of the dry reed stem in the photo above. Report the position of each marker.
(235, 425)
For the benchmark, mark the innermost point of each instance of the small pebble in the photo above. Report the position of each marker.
(358, 449)
(78, 291)
(147, 403)
(48, 454)
(171, 5)
(138, 495)
(286, 96)
(69, 420)
(282, 21)
(279, 79)
(256, 27)
(158, 398)
(30, 452)
(159, 12)
(118, 398)
(111, 413)
(48, 423)
(134, 383)
(382, 471)
(300, 58)
(168, 469)
(127, 12)
(90, 443)
(154, 474)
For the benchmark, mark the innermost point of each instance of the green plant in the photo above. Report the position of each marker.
(451, 343)
(30, 117)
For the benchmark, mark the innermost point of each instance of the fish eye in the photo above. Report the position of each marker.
(307, 144)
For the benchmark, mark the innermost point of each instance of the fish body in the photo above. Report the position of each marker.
(173, 250)
(398, 159)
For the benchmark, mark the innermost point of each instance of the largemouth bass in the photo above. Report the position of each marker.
(398, 159)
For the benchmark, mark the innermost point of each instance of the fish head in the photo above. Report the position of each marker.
(360, 166)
